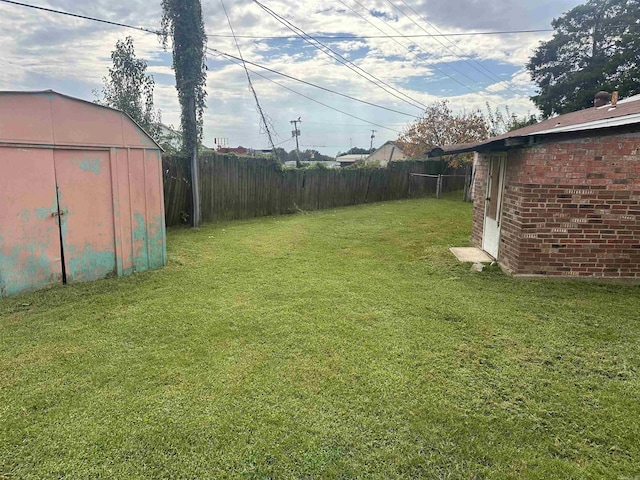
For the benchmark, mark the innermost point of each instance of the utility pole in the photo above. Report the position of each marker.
(296, 133)
(373, 135)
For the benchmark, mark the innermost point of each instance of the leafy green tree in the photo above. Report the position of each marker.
(129, 89)
(595, 47)
(355, 151)
(358, 151)
(182, 20)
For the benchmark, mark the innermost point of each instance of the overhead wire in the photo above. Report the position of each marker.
(341, 59)
(263, 118)
(84, 17)
(357, 37)
(315, 85)
(147, 30)
(314, 100)
(156, 32)
(435, 67)
(487, 73)
(459, 82)
(438, 33)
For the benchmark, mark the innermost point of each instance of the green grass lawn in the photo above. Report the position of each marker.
(338, 344)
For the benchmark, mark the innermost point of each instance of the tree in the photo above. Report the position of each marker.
(129, 89)
(358, 151)
(355, 151)
(182, 19)
(596, 47)
(499, 123)
(438, 126)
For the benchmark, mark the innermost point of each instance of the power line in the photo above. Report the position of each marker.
(358, 37)
(147, 30)
(341, 59)
(295, 37)
(354, 124)
(253, 91)
(314, 100)
(324, 146)
(435, 67)
(284, 141)
(438, 31)
(491, 75)
(155, 32)
(313, 84)
(84, 17)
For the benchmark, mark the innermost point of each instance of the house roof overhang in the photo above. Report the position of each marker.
(584, 122)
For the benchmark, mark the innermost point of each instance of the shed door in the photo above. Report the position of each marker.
(493, 205)
(85, 200)
(29, 234)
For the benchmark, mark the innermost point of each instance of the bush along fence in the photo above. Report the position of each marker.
(234, 187)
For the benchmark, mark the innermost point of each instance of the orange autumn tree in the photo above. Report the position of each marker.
(439, 126)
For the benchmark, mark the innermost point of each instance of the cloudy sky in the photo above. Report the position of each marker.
(400, 61)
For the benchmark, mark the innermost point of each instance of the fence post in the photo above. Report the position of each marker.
(409, 189)
(439, 186)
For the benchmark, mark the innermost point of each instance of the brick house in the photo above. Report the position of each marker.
(561, 198)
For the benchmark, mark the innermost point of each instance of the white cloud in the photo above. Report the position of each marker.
(44, 50)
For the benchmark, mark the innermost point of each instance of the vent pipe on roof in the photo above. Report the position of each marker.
(614, 99)
(601, 99)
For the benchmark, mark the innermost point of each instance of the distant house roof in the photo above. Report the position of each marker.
(352, 157)
(626, 112)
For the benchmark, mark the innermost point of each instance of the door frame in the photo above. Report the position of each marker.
(493, 204)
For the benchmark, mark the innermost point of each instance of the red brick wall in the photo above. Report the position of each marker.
(570, 208)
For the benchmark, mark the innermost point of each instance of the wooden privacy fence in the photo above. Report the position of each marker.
(237, 187)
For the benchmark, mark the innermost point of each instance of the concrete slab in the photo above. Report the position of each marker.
(471, 254)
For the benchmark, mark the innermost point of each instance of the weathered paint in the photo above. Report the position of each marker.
(85, 197)
(109, 191)
(141, 254)
(29, 235)
(89, 164)
(86, 264)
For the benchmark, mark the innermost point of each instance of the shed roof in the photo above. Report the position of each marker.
(626, 112)
(51, 118)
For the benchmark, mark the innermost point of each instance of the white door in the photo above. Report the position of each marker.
(493, 205)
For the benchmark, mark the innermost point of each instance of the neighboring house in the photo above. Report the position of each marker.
(348, 160)
(81, 193)
(388, 152)
(240, 150)
(561, 198)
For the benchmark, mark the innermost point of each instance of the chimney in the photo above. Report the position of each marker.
(601, 99)
(614, 99)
